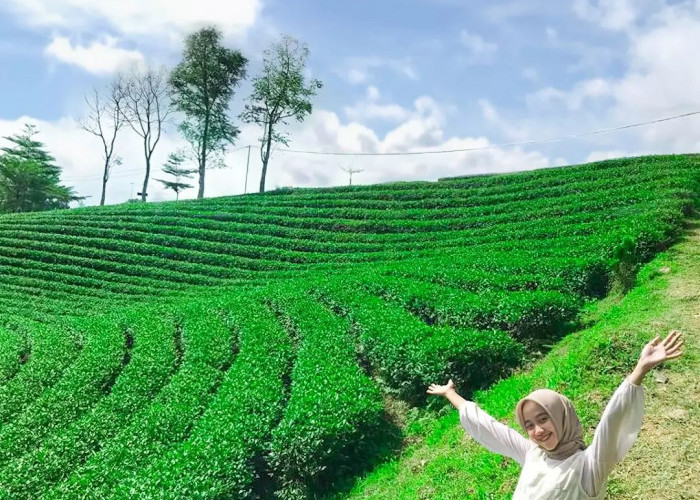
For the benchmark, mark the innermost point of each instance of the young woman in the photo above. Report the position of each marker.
(557, 464)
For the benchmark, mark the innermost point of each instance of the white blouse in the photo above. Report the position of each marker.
(583, 475)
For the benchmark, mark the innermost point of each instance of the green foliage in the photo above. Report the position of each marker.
(222, 455)
(280, 92)
(334, 414)
(174, 167)
(207, 351)
(587, 367)
(405, 354)
(49, 353)
(202, 86)
(29, 179)
(246, 347)
(79, 388)
(148, 368)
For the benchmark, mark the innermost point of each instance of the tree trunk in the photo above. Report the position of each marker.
(144, 191)
(203, 158)
(202, 168)
(104, 183)
(266, 157)
(104, 188)
(262, 177)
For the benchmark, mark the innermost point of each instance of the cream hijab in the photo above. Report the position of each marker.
(563, 415)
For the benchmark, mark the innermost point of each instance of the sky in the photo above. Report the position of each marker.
(399, 76)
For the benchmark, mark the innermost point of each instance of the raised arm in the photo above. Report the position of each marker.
(622, 418)
(485, 430)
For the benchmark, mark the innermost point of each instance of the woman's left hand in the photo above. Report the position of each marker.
(658, 351)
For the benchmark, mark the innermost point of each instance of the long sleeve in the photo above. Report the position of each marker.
(614, 436)
(492, 434)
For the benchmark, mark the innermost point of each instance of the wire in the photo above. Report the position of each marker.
(493, 146)
(126, 173)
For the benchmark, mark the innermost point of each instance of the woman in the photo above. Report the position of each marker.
(556, 463)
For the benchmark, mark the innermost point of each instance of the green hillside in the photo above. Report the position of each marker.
(255, 346)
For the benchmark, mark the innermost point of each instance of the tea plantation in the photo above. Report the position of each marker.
(247, 347)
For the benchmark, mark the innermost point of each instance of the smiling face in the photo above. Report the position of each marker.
(539, 426)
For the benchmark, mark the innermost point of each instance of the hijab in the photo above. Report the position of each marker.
(562, 414)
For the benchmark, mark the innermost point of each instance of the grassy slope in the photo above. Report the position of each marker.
(444, 463)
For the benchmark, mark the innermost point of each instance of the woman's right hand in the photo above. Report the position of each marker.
(441, 390)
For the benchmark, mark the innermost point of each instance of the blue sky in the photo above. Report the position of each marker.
(398, 76)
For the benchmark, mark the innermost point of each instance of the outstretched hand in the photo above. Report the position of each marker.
(658, 351)
(440, 390)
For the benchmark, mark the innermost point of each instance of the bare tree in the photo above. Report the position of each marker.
(104, 120)
(146, 109)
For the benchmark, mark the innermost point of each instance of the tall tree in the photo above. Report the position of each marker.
(105, 119)
(29, 177)
(279, 93)
(201, 87)
(174, 167)
(146, 109)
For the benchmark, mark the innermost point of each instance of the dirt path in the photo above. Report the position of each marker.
(665, 461)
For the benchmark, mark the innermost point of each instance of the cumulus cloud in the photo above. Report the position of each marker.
(508, 127)
(608, 155)
(152, 18)
(423, 130)
(574, 99)
(370, 108)
(100, 57)
(614, 15)
(660, 79)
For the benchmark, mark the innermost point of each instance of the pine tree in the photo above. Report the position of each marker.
(174, 167)
(29, 177)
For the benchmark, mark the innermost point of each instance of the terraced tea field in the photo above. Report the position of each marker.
(247, 346)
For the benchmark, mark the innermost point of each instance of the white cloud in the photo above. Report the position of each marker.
(138, 18)
(608, 155)
(424, 129)
(663, 79)
(370, 108)
(479, 49)
(552, 35)
(510, 130)
(659, 79)
(99, 57)
(359, 70)
(574, 99)
(615, 15)
(80, 156)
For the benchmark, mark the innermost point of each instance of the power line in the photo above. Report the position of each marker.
(494, 146)
(126, 173)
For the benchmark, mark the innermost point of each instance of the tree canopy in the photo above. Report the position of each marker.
(29, 177)
(201, 88)
(174, 167)
(280, 92)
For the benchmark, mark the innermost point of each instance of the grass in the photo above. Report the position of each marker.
(444, 463)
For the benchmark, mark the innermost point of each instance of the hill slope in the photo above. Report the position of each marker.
(248, 346)
(587, 367)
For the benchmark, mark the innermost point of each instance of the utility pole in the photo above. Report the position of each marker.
(247, 164)
(351, 171)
